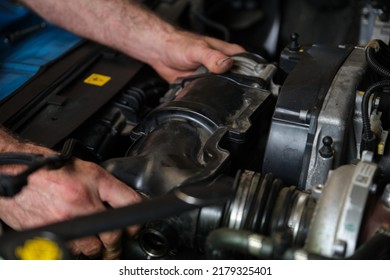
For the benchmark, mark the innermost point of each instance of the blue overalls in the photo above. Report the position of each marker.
(27, 43)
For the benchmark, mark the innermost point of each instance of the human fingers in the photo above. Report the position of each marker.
(214, 60)
(105, 189)
(90, 246)
(117, 194)
(215, 54)
(225, 47)
(106, 245)
(112, 248)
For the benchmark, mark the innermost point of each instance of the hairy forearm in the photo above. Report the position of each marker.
(7, 142)
(11, 144)
(121, 24)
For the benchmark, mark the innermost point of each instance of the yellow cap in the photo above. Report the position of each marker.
(39, 248)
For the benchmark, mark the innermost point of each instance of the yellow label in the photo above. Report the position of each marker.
(39, 248)
(381, 148)
(97, 80)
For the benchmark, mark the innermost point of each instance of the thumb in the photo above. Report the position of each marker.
(215, 61)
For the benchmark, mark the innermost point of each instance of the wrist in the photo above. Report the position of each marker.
(148, 36)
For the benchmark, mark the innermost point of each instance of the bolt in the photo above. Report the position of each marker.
(326, 151)
(317, 191)
(303, 115)
(294, 44)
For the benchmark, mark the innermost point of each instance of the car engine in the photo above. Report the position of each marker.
(285, 156)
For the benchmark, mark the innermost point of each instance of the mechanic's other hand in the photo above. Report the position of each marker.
(181, 53)
(77, 189)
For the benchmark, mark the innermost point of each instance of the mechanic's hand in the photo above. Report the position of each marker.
(129, 26)
(182, 53)
(77, 189)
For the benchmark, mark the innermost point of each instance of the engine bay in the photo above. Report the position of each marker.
(285, 156)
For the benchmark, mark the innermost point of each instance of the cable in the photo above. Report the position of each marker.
(10, 185)
(376, 49)
(217, 26)
(368, 139)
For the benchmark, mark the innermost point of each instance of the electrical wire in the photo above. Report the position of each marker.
(10, 185)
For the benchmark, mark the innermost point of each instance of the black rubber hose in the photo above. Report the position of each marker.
(17, 158)
(199, 195)
(374, 48)
(140, 97)
(368, 136)
(217, 26)
(31, 158)
(10, 185)
(384, 58)
(134, 98)
(153, 89)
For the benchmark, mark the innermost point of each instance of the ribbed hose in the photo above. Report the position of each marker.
(367, 133)
(17, 158)
(374, 49)
(140, 96)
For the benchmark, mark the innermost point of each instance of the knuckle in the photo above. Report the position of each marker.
(200, 46)
(91, 249)
(111, 239)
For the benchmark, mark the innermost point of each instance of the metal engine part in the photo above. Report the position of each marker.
(336, 223)
(314, 104)
(212, 120)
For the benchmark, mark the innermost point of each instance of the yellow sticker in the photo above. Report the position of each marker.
(39, 248)
(97, 80)
(381, 148)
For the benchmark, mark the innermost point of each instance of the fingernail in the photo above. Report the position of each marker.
(224, 62)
